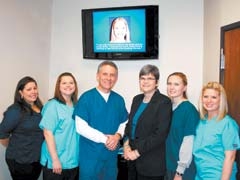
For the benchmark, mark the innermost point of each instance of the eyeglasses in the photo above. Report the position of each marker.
(146, 79)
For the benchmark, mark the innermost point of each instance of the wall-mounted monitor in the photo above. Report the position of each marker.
(120, 33)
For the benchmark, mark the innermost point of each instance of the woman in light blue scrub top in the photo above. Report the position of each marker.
(59, 156)
(217, 136)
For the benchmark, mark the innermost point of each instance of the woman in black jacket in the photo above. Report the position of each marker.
(147, 129)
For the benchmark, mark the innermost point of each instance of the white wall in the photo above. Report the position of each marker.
(24, 50)
(217, 13)
(181, 45)
(26, 47)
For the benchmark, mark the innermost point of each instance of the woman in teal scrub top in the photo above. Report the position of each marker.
(217, 137)
(59, 156)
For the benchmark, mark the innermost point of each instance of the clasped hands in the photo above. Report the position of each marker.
(130, 154)
(112, 141)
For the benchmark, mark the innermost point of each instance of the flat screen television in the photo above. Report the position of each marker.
(120, 33)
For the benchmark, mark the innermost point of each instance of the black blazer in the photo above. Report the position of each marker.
(150, 133)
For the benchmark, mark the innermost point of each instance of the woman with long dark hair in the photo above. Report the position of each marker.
(20, 133)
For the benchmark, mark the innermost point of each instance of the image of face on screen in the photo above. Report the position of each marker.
(119, 31)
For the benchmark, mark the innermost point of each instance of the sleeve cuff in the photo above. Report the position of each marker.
(180, 169)
(103, 139)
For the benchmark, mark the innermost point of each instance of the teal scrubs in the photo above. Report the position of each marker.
(213, 138)
(141, 108)
(96, 161)
(185, 119)
(57, 118)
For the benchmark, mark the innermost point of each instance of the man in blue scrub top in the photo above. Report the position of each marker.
(100, 116)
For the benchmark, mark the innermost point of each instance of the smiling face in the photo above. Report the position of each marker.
(175, 87)
(211, 101)
(29, 93)
(148, 83)
(120, 30)
(107, 77)
(67, 86)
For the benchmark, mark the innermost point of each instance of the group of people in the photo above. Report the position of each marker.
(164, 136)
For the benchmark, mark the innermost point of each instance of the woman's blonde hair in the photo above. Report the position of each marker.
(223, 107)
(127, 35)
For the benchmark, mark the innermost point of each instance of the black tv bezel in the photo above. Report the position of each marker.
(152, 35)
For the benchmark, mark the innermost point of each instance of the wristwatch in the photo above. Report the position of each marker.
(179, 174)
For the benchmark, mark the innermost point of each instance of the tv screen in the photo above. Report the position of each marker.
(120, 33)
